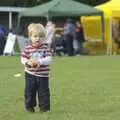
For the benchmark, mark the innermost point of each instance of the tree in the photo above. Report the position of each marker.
(93, 2)
(30, 3)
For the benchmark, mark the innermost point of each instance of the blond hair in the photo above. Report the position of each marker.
(36, 27)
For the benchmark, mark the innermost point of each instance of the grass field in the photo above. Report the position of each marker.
(82, 88)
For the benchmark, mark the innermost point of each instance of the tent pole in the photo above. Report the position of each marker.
(102, 29)
(18, 24)
(110, 41)
(10, 20)
(109, 44)
(47, 17)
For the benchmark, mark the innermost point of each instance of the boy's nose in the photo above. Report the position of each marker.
(37, 39)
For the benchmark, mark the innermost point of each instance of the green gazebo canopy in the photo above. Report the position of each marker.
(60, 8)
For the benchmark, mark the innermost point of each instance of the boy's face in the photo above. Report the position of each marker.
(37, 38)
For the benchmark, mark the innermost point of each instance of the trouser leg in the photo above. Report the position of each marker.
(44, 94)
(30, 91)
(69, 41)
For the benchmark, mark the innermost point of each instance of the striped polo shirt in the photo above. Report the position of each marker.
(43, 54)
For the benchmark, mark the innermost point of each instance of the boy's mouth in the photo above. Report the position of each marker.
(37, 43)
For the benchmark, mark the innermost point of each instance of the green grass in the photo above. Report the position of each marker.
(82, 88)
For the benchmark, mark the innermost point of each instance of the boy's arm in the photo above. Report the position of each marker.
(24, 57)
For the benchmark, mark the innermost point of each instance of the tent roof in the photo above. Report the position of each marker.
(60, 8)
(110, 7)
(11, 9)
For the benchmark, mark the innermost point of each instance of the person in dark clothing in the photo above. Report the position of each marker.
(69, 31)
(2, 39)
(79, 36)
(60, 46)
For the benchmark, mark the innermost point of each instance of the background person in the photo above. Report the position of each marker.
(69, 32)
(79, 36)
(2, 39)
(50, 34)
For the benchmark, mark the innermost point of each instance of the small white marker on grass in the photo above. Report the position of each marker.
(17, 75)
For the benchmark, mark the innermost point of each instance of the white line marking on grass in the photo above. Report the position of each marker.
(17, 75)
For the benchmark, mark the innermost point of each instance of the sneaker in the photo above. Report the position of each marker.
(32, 110)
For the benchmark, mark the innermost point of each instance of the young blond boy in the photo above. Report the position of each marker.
(36, 59)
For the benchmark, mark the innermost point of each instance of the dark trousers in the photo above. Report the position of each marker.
(2, 44)
(80, 47)
(37, 85)
(69, 45)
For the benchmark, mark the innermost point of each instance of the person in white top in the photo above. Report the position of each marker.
(50, 33)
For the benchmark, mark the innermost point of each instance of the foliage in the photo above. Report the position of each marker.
(92, 2)
(29, 3)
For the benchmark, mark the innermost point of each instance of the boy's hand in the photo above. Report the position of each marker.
(29, 64)
(33, 63)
